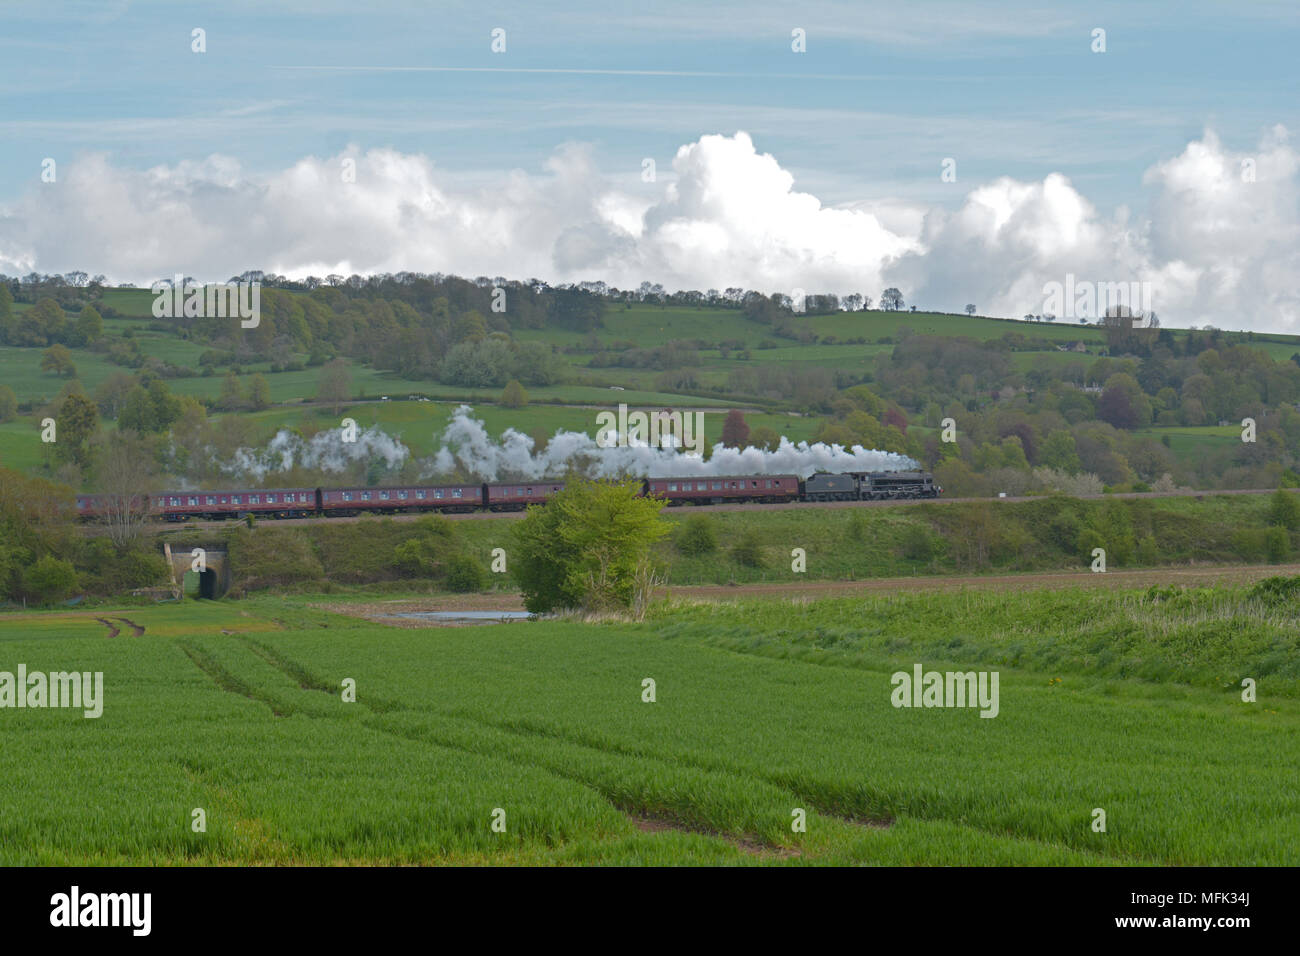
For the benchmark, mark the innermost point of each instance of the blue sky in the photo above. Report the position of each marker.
(880, 98)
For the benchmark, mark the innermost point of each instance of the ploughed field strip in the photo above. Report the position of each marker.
(239, 709)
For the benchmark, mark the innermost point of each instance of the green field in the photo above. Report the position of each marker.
(1186, 441)
(1118, 701)
(753, 347)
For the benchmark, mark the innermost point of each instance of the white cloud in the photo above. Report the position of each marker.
(1216, 247)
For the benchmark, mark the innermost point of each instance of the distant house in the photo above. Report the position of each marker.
(1072, 347)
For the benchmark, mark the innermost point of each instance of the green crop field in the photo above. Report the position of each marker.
(1127, 702)
(20, 369)
(650, 325)
(1188, 440)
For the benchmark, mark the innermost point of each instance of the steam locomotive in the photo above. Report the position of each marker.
(518, 495)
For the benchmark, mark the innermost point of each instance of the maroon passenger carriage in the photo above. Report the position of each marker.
(720, 489)
(517, 495)
(181, 505)
(359, 499)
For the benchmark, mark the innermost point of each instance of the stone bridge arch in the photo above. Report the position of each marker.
(214, 578)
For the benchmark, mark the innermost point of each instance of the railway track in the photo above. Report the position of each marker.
(162, 526)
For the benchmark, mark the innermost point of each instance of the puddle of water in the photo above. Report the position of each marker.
(481, 617)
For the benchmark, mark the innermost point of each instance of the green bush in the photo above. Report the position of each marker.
(465, 574)
(696, 536)
(428, 549)
(1148, 551)
(49, 580)
(1278, 545)
(1088, 541)
(917, 544)
(1277, 591)
(856, 527)
(588, 548)
(1284, 510)
(106, 570)
(1249, 544)
(749, 550)
(1061, 530)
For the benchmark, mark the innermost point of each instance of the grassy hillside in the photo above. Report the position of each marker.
(788, 374)
(749, 547)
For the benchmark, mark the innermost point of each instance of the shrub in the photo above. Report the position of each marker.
(696, 536)
(427, 550)
(110, 571)
(50, 579)
(856, 528)
(588, 548)
(514, 395)
(1278, 545)
(1284, 510)
(1148, 551)
(1089, 540)
(917, 544)
(465, 574)
(1249, 544)
(749, 551)
(1277, 591)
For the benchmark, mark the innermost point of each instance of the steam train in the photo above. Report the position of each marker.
(517, 495)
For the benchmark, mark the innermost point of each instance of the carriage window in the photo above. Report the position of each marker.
(457, 493)
(347, 496)
(672, 486)
(270, 499)
(437, 493)
(419, 495)
(717, 485)
(234, 499)
(383, 496)
(254, 499)
(767, 482)
(211, 500)
(176, 502)
(529, 491)
(194, 500)
(402, 495)
(777, 482)
(365, 496)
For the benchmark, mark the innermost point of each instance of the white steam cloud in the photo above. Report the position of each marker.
(466, 443)
(469, 449)
(325, 451)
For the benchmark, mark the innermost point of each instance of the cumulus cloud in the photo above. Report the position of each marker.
(1218, 240)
